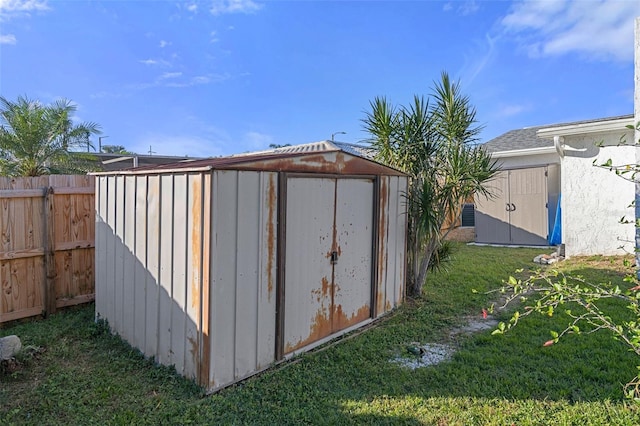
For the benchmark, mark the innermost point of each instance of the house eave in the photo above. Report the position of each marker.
(586, 128)
(524, 152)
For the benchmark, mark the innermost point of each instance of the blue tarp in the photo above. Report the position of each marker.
(556, 234)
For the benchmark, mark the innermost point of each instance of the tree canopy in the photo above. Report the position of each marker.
(433, 141)
(37, 139)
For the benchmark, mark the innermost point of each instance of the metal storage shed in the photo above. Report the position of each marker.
(225, 266)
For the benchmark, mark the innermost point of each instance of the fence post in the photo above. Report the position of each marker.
(49, 256)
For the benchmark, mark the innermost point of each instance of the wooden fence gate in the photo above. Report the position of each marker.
(47, 229)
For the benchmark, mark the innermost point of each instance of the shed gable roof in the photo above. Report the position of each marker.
(318, 157)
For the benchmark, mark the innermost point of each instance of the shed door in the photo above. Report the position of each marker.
(328, 255)
(528, 198)
(492, 214)
(518, 212)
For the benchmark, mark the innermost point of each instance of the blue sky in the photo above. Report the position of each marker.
(208, 78)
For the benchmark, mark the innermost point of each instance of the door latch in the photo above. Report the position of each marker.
(334, 257)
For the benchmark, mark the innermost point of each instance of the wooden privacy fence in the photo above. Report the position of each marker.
(47, 231)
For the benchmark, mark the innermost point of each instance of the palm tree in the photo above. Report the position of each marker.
(37, 139)
(434, 144)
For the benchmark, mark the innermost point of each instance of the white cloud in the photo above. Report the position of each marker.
(22, 6)
(164, 43)
(483, 55)
(511, 110)
(7, 39)
(168, 75)
(219, 7)
(153, 62)
(467, 7)
(193, 8)
(214, 37)
(198, 80)
(104, 94)
(10, 9)
(599, 30)
(257, 141)
(178, 80)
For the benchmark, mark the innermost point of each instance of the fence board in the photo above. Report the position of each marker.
(47, 239)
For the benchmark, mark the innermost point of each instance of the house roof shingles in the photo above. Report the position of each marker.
(527, 138)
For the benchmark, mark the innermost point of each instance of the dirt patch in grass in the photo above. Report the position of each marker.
(618, 266)
(418, 355)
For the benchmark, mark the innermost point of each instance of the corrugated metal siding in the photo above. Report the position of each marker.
(186, 263)
(243, 262)
(167, 243)
(101, 244)
(308, 271)
(353, 273)
(129, 261)
(152, 249)
(322, 298)
(401, 238)
(148, 227)
(392, 224)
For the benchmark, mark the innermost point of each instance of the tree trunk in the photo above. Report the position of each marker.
(424, 267)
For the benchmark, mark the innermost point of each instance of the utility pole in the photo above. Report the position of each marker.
(337, 133)
(100, 142)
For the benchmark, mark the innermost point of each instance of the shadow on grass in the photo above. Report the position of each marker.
(89, 376)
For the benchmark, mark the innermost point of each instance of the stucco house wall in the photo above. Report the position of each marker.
(595, 199)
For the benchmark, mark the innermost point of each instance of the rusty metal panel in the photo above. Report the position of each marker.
(152, 262)
(392, 222)
(326, 159)
(329, 162)
(308, 270)
(194, 225)
(401, 240)
(140, 274)
(204, 367)
(223, 294)
(179, 278)
(243, 265)
(354, 239)
(395, 244)
(173, 234)
(165, 279)
(381, 249)
(267, 260)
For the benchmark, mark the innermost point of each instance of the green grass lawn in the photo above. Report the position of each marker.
(84, 375)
